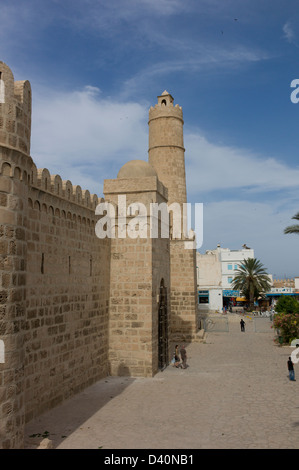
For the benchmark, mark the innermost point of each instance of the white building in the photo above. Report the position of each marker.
(216, 270)
(209, 279)
(230, 261)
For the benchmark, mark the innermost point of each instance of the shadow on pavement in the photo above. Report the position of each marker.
(61, 421)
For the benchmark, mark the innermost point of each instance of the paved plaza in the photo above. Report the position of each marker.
(235, 394)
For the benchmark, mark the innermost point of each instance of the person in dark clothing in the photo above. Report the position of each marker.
(176, 356)
(242, 323)
(291, 369)
(183, 356)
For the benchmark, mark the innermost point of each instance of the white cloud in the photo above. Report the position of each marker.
(234, 222)
(190, 59)
(254, 199)
(211, 167)
(84, 136)
(289, 33)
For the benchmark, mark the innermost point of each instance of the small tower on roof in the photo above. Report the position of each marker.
(166, 146)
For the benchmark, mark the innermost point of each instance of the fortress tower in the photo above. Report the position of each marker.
(15, 169)
(167, 155)
(74, 306)
(166, 147)
(139, 277)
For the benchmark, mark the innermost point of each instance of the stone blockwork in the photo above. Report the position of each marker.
(137, 267)
(55, 291)
(166, 147)
(75, 307)
(15, 111)
(68, 295)
(167, 156)
(183, 292)
(55, 274)
(13, 232)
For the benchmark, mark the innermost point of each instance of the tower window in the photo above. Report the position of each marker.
(163, 102)
(42, 264)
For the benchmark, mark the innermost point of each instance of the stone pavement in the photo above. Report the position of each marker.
(235, 394)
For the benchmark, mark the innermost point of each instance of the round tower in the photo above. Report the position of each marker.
(166, 147)
(15, 111)
(15, 170)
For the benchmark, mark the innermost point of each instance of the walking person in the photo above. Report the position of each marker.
(176, 356)
(242, 323)
(183, 356)
(291, 369)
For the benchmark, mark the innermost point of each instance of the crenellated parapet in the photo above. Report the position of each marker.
(16, 165)
(165, 108)
(15, 111)
(40, 214)
(64, 189)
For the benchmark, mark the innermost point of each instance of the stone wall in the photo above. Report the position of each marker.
(137, 267)
(75, 307)
(15, 111)
(54, 299)
(67, 294)
(283, 283)
(14, 169)
(183, 302)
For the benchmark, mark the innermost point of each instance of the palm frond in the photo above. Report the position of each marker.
(251, 279)
(292, 229)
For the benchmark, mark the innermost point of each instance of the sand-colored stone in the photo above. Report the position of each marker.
(76, 308)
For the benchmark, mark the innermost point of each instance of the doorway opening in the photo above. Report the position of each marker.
(163, 327)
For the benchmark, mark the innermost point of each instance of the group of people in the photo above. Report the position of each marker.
(180, 357)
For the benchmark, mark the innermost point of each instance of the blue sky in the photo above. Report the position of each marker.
(96, 67)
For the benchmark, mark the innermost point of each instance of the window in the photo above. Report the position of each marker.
(42, 270)
(203, 296)
(229, 266)
(229, 279)
(236, 266)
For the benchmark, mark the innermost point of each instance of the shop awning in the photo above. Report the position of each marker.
(276, 294)
(230, 293)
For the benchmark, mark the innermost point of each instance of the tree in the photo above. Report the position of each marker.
(287, 304)
(293, 228)
(287, 325)
(286, 321)
(251, 280)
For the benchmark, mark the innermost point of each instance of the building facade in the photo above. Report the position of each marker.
(216, 270)
(75, 306)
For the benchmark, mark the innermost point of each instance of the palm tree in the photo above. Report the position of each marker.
(293, 228)
(252, 280)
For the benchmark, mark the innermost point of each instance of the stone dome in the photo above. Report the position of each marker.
(136, 169)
